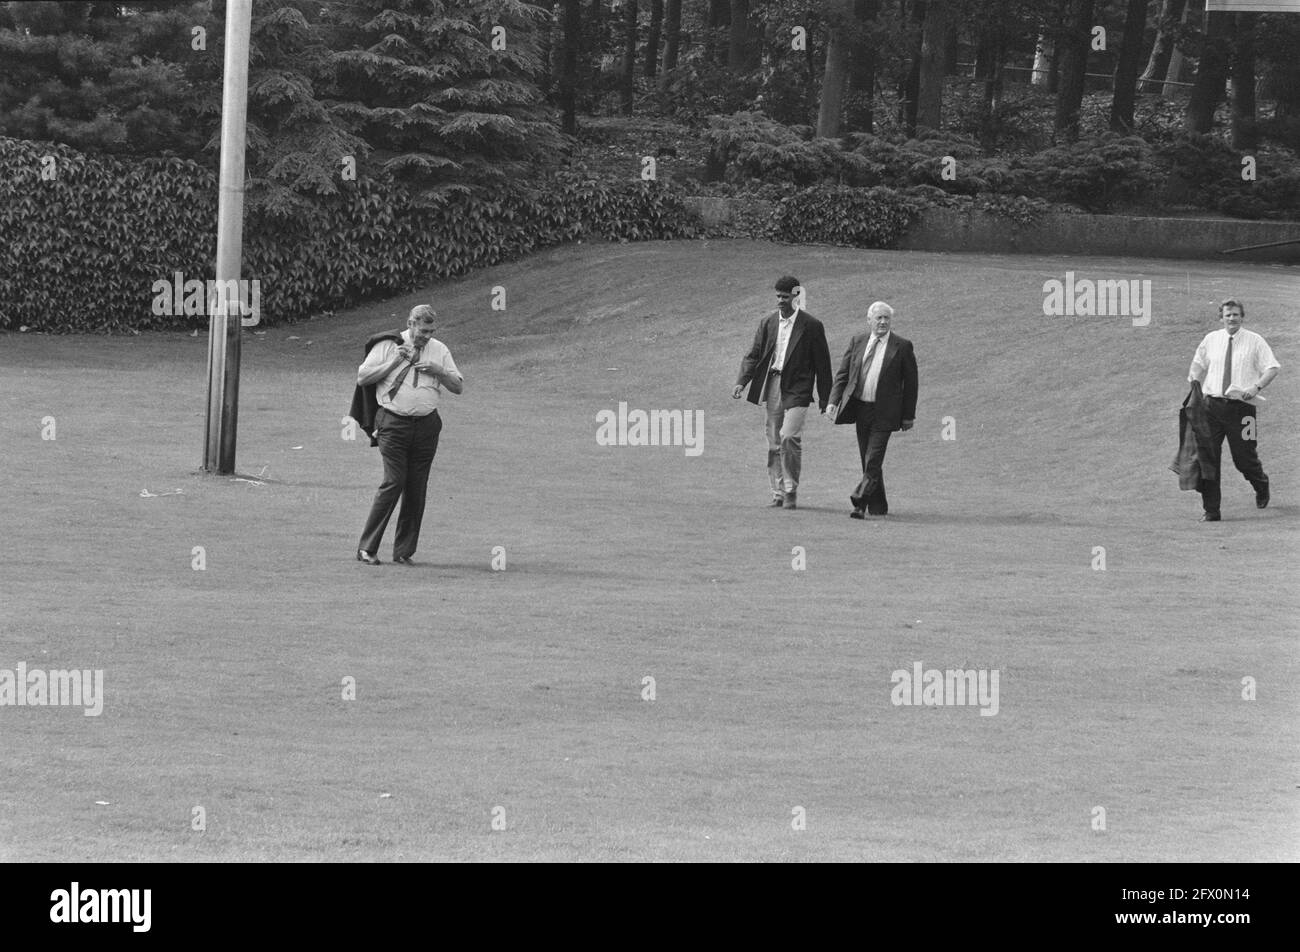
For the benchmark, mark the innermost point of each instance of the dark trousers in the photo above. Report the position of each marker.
(1227, 418)
(872, 442)
(407, 445)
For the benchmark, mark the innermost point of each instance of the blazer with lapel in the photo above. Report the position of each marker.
(365, 402)
(895, 389)
(1191, 431)
(807, 362)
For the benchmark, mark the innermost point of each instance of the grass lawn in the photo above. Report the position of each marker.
(522, 689)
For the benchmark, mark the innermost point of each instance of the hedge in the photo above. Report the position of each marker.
(83, 238)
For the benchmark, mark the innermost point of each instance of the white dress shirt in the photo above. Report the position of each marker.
(413, 398)
(783, 327)
(871, 374)
(1251, 359)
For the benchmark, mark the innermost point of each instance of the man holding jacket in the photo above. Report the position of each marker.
(788, 357)
(408, 372)
(875, 389)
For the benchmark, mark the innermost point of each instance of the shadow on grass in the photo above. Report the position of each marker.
(459, 569)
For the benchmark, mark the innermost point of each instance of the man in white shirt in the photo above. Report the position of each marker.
(408, 378)
(787, 361)
(1231, 366)
(876, 390)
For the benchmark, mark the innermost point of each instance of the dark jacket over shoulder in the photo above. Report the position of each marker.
(364, 401)
(807, 362)
(1191, 430)
(896, 387)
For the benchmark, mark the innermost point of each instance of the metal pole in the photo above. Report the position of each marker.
(224, 328)
(1267, 244)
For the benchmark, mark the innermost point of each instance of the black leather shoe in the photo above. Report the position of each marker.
(403, 559)
(1261, 499)
(776, 503)
(1211, 517)
(363, 556)
(790, 501)
(857, 514)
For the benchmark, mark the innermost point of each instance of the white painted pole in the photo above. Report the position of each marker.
(224, 328)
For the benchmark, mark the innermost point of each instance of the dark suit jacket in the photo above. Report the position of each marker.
(895, 389)
(364, 401)
(807, 361)
(1191, 425)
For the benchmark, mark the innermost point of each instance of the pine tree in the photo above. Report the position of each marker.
(441, 92)
(101, 77)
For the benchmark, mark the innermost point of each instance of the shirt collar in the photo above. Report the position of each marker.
(793, 315)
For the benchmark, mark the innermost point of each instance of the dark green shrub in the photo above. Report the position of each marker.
(1092, 173)
(83, 250)
(1271, 197)
(836, 215)
(784, 93)
(696, 90)
(749, 145)
(1197, 161)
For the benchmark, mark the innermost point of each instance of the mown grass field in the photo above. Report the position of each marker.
(522, 690)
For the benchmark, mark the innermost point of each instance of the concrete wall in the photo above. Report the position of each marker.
(948, 229)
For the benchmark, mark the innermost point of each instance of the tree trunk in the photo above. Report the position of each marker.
(929, 100)
(990, 52)
(719, 16)
(1177, 57)
(1211, 73)
(1245, 136)
(1282, 85)
(739, 56)
(1043, 56)
(1126, 69)
(951, 42)
(672, 38)
(627, 84)
(862, 61)
(572, 14)
(1074, 44)
(595, 39)
(837, 61)
(1153, 77)
(910, 87)
(652, 40)
(812, 101)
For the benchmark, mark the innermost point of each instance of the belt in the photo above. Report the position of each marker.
(1225, 399)
(774, 372)
(407, 416)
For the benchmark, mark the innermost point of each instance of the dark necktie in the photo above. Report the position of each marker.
(1227, 367)
(866, 364)
(415, 382)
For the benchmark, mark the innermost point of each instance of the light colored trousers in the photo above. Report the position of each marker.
(784, 441)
